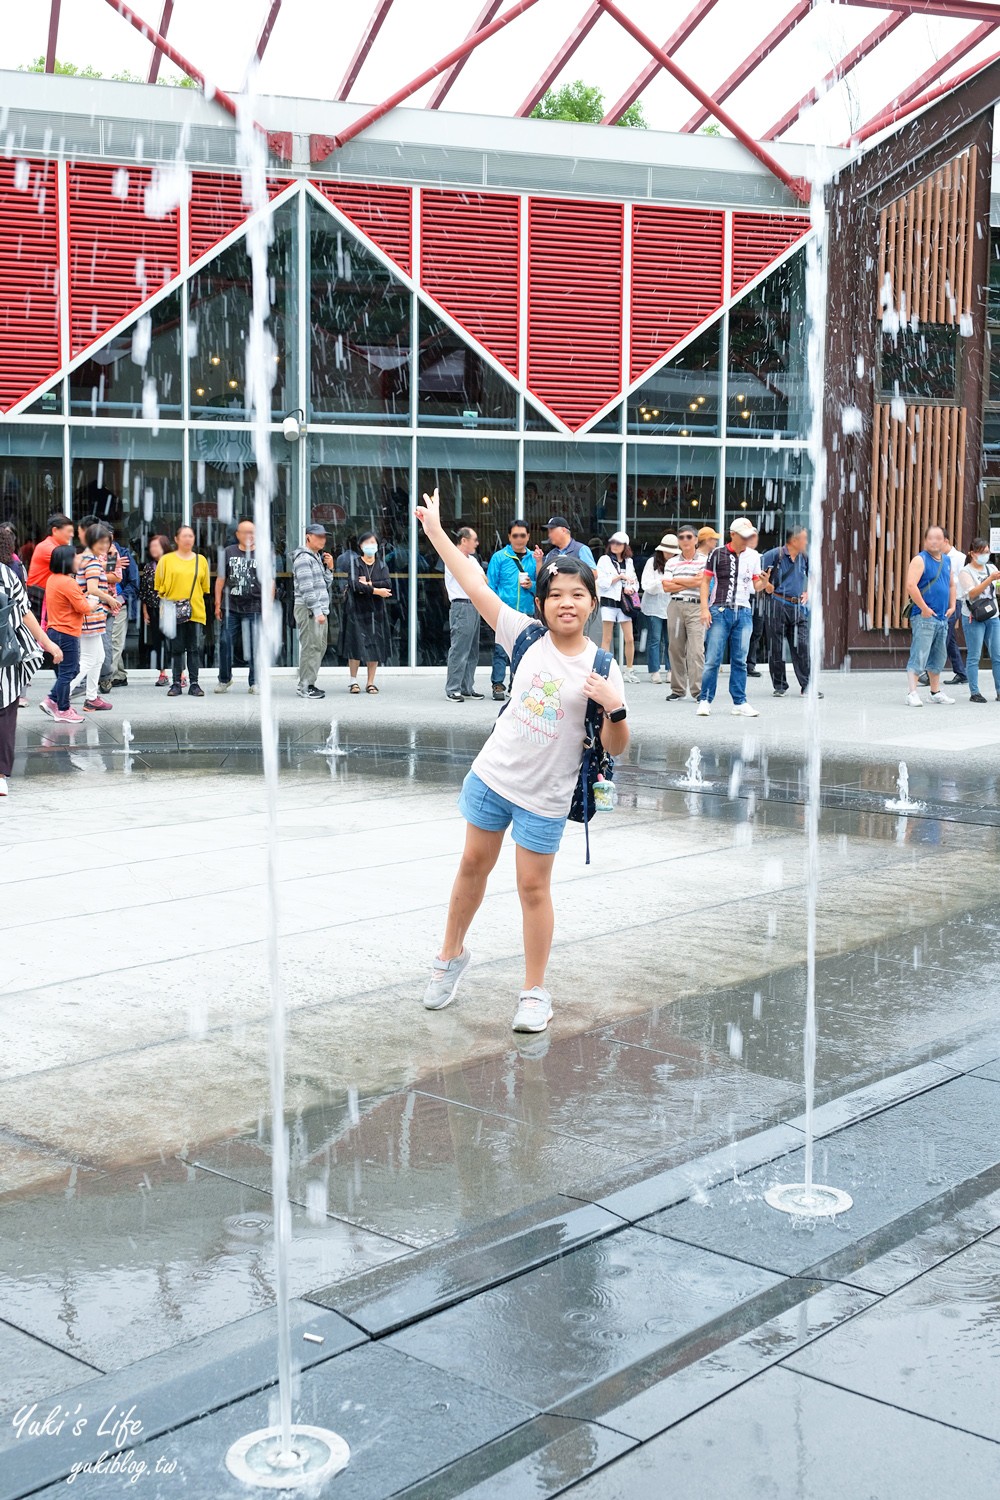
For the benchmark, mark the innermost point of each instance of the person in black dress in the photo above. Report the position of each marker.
(364, 625)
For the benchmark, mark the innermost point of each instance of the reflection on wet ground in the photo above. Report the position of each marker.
(133, 1109)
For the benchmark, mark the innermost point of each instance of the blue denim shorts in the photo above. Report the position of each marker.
(929, 646)
(485, 809)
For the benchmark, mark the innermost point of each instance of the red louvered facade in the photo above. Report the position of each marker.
(759, 239)
(469, 248)
(383, 213)
(472, 249)
(29, 277)
(677, 278)
(575, 279)
(117, 256)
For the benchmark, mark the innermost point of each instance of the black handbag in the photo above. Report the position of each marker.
(984, 607)
(183, 608)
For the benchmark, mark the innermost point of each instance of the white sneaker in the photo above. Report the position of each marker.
(3, 786)
(655, 677)
(444, 980)
(704, 708)
(220, 687)
(941, 698)
(914, 700)
(629, 676)
(744, 711)
(534, 1010)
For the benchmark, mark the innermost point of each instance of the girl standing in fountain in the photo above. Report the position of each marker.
(525, 774)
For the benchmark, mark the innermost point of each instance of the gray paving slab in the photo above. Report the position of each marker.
(785, 1437)
(558, 1329)
(403, 1421)
(626, 1097)
(859, 1104)
(133, 1262)
(929, 1348)
(166, 1391)
(956, 1225)
(668, 1386)
(644, 1191)
(30, 1370)
(422, 1169)
(426, 1281)
(991, 1071)
(890, 1165)
(539, 1460)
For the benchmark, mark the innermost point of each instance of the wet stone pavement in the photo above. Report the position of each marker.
(520, 1267)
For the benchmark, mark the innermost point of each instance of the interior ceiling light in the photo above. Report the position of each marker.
(215, 359)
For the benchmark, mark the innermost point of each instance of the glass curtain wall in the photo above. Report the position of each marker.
(398, 400)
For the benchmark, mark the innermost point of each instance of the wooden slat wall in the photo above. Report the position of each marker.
(917, 474)
(926, 241)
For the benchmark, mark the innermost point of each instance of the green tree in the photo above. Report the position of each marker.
(70, 70)
(714, 129)
(583, 102)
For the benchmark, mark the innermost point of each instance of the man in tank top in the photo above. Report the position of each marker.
(930, 584)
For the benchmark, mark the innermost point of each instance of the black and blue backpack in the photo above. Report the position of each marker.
(595, 762)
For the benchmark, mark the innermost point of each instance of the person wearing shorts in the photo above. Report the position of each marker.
(931, 585)
(525, 775)
(616, 580)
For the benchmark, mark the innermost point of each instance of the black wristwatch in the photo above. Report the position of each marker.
(617, 714)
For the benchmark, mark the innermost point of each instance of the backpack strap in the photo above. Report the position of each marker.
(527, 638)
(592, 725)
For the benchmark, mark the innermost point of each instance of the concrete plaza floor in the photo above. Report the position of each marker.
(135, 1216)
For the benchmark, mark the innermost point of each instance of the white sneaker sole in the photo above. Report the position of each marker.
(524, 1029)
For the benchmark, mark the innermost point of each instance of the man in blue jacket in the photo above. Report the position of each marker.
(511, 575)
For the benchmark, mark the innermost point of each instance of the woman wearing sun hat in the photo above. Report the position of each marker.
(655, 599)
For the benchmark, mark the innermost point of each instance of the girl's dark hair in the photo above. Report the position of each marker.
(164, 542)
(8, 542)
(562, 564)
(96, 533)
(659, 561)
(63, 560)
(626, 550)
(366, 536)
(978, 544)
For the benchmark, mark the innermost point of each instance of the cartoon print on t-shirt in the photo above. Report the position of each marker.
(539, 710)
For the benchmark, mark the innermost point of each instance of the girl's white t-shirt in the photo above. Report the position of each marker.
(533, 755)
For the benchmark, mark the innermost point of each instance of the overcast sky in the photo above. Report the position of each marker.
(313, 41)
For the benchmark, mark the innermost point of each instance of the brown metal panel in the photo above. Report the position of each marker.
(969, 226)
(956, 171)
(908, 205)
(879, 461)
(897, 443)
(931, 510)
(901, 556)
(897, 274)
(936, 287)
(920, 251)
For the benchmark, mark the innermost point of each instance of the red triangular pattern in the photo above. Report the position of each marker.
(117, 256)
(217, 208)
(575, 276)
(677, 277)
(383, 212)
(469, 265)
(758, 239)
(29, 278)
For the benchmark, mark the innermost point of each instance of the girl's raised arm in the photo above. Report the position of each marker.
(466, 572)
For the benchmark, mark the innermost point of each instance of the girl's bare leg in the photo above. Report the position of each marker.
(534, 888)
(482, 850)
(607, 631)
(371, 667)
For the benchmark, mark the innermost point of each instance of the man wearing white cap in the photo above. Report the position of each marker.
(732, 576)
(618, 591)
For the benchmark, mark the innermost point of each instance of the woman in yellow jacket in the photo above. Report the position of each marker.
(182, 582)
